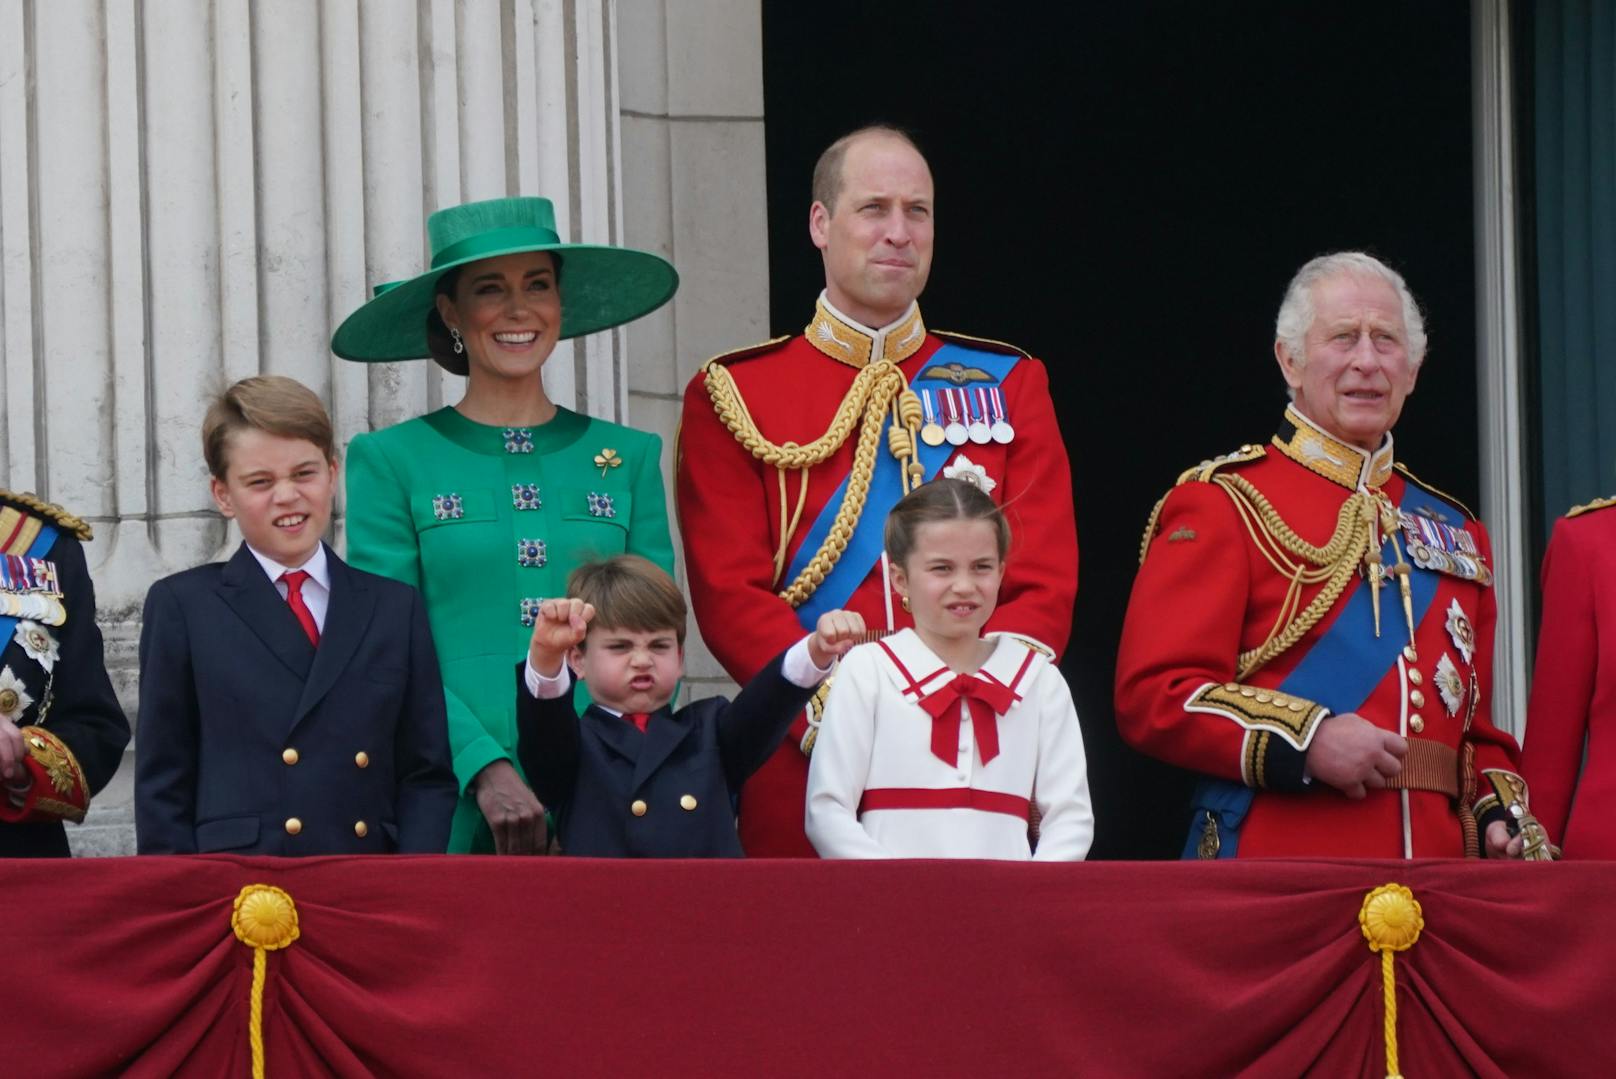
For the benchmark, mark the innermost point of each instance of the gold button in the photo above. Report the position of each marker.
(1409, 654)
(688, 802)
(293, 826)
(1231, 687)
(9, 700)
(1415, 723)
(1264, 698)
(1416, 698)
(361, 829)
(637, 807)
(289, 755)
(1415, 676)
(1247, 691)
(1297, 706)
(362, 759)
(1280, 702)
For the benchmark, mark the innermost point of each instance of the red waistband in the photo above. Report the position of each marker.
(947, 798)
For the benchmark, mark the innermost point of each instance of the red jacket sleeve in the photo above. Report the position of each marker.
(1562, 681)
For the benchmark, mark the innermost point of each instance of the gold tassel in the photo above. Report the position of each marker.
(264, 919)
(1391, 921)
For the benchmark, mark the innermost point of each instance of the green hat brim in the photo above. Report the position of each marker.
(601, 287)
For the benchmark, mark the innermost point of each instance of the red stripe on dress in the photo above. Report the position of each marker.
(1026, 661)
(947, 798)
(914, 686)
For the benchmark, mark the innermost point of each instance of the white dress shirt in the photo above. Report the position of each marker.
(316, 590)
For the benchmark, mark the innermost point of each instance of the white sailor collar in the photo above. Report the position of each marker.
(917, 672)
(851, 342)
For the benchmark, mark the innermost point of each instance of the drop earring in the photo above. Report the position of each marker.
(459, 342)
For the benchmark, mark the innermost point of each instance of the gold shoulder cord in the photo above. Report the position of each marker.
(1301, 562)
(76, 525)
(878, 389)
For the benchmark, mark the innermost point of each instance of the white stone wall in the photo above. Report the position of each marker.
(192, 191)
(692, 123)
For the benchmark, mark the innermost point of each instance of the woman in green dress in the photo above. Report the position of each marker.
(487, 505)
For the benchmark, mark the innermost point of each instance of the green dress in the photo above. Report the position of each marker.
(487, 522)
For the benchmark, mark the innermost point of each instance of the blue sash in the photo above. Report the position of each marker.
(1340, 671)
(42, 544)
(863, 549)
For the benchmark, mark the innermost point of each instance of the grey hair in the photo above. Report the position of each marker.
(1296, 312)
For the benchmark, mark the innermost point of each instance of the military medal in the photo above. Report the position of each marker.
(1003, 433)
(980, 432)
(1441, 547)
(954, 429)
(931, 433)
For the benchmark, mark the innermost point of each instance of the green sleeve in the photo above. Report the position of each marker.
(381, 535)
(648, 531)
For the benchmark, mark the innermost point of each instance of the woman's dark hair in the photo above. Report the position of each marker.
(438, 341)
(941, 500)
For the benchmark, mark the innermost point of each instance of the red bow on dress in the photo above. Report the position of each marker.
(946, 708)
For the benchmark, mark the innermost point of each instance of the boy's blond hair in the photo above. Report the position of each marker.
(629, 592)
(274, 404)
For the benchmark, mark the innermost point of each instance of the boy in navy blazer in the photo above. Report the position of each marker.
(289, 704)
(630, 777)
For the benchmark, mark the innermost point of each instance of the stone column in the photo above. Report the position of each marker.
(694, 192)
(196, 190)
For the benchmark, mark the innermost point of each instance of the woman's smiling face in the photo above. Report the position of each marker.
(508, 312)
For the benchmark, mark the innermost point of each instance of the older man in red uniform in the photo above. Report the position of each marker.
(1312, 627)
(792, 451)
(1574, 685)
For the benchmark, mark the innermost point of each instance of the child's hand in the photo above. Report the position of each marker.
(561, 624)
(836, 632)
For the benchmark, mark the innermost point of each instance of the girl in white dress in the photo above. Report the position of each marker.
(936, 742)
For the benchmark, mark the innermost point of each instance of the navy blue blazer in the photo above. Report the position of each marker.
(667, 793)
(252, 740)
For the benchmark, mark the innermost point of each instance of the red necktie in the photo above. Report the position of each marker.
(639, 719)
(294, 598)
(946, 708)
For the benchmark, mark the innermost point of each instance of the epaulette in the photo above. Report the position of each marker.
(1468, 512)
(986, 342)
(1202, 473)
(50, 511)
(1589, 507)
(746, 352)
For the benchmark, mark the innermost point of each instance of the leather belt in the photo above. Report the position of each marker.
(1429, 766)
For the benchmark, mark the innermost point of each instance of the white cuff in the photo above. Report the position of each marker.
(798, 666)
(547, 687)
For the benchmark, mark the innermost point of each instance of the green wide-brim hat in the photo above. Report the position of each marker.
(601, 287)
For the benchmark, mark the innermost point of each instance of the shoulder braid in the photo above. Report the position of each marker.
(51, 511)
(878, 388)
(1201, 473)
(1589, 507)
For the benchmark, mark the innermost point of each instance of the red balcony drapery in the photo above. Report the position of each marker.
(462, 966)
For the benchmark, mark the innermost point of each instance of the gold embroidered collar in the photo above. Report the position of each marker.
(1304, 442)
(856, 345)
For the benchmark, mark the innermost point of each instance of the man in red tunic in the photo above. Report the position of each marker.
(791, 452)
(1574, 685)
(1312, 627)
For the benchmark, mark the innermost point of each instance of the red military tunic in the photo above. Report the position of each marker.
(1219, 579)
(737, 513)
(1574, 686)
